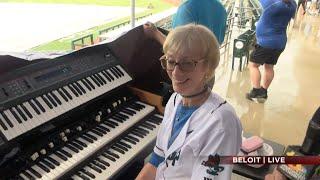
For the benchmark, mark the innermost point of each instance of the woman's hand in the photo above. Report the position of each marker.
(151, 31)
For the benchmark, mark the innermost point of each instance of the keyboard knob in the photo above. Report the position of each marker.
(79, 128)
(51, 145)
(65, 139)
(67, 131)
(109, 110)
(114, 104)
(34, 156)
(100, 113)
(62, 134)
(43, 151)
(98, 118)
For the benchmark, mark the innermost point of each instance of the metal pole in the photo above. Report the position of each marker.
(132, 13)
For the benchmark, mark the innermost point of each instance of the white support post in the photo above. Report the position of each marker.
(132, 13)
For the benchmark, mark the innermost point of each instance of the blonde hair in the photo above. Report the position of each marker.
(190, 36)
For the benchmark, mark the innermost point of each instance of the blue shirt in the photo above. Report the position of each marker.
(183, 113)
(272, 25)
(209, 13)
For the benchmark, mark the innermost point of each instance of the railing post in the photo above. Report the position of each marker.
(132, 13)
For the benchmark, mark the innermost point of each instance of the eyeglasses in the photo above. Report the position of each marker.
(185, 65)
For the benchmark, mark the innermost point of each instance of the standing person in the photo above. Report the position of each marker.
(198, 125)
(271, 41)
(209, 13)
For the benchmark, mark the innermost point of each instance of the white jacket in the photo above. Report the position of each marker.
(212, 129)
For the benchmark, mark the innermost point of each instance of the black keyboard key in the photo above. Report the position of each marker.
(124, 144)
(133, 138)
(96, 132)
(61, 156)
(103, 162)
(53, 161)
(113, 154)
(39, 105)
(129, 140)
(108, 157)
(100, 130)
(89, 82)
(132, 111)
(87, 138)
(15, 115)
(116, 71)
(91, 136)
(47, 163)
(92, 166)
(109, 124)
(72, 148)
(120, 117)
(55, 97)
(103, 128)
(107, 72)
(117, 119)
(101, 78)
(134, 107)
(117, 149)
(139, 105)
(73, 90)
(97, 163)
(94, 80)
(120, 146)
(50, 98)
(145, 125)
(6, 119)
(112, 122)
(81, 143)
(26, 111)
(43, 167)
(98, 79)
(45, 99)
(76, 88)
(28, 175)
(2, 123)
(119, 70)
(34, 107)
(76, 145)
(142, 130)
(82, 176)
(65, 153)
(139, 134)
(106, 76)
(63, 95)
(123, 116)
(88, 173)
(24, 117)
(81, 88)
(86, 84)
(149, 124)
(67, 93)
(35, 172)
(128, 112)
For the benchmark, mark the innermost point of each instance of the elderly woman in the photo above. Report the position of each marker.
(198, 124)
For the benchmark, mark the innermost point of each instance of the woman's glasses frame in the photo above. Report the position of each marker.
(185, 65)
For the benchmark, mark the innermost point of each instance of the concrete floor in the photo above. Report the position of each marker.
(294, 94)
